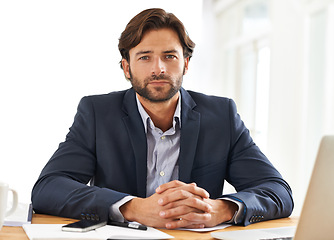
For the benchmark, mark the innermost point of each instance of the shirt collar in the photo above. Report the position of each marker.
(145, 116)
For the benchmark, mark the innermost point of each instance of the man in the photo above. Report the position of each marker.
(156, 153)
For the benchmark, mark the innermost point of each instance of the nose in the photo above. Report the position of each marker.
(158, 66)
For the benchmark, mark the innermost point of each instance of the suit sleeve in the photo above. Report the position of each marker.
(62, 188)
(259, 186)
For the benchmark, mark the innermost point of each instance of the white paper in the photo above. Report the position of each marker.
(255, 234)
(113, 232)
(206, 229)
(21, 216)
(54, 232)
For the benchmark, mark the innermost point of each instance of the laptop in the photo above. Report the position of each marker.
(317, 216)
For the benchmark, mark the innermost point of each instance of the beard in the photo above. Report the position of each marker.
(158, 93)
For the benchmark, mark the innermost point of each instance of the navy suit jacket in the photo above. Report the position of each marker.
(106, 146)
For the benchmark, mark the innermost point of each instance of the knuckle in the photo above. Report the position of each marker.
(207, 217)
(192, 188)
(194, 201)
(183, 193)
(175, 182)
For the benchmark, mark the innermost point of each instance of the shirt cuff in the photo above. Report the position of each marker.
(238, 215)
(114, 212)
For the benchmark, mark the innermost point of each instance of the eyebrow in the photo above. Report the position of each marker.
(149, 51)
(171, 51)
(143, 52)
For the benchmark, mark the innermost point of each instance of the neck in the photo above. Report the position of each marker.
(161, 113)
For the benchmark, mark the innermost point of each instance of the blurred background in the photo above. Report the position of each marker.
(275, 58)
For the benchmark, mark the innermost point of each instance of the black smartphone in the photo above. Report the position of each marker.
(83, 226)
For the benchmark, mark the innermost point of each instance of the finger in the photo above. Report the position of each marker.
(175, 196)
(182, 222)
(177, 212)
(192, 188)
(197, 218)
(169, 185)
(178, 208)
(195, 226)
(183, 192)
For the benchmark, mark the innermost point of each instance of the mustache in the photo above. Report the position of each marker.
(160, 76)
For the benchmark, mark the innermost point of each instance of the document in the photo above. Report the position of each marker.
(54, 232)
(22, 215)
(255, 234)
(206, 229)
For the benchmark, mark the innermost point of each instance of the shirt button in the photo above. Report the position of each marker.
(162, 173)
(163, 137)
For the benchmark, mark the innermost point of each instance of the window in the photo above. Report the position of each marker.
(246, 63)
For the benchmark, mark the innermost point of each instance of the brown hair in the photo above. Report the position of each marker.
(149, 19)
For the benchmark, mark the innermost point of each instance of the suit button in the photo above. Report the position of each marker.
(82, 216)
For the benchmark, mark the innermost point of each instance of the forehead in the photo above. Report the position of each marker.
(159, 40)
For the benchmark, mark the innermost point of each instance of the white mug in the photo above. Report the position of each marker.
(4, 189)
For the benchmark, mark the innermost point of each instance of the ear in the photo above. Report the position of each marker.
(186, 63)
(126, 68)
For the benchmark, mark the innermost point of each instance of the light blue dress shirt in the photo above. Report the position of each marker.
(163, 150)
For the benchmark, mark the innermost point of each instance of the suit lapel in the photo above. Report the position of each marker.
(189, 136)
(136, 133)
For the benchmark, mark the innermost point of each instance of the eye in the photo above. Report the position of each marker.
(170, 56)
(144, 58)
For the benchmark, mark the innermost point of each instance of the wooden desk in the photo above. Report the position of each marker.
(17, 233)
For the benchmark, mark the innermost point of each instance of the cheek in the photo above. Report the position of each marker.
(175, 68)
(139, 69)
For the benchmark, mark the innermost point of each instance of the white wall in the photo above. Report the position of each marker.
(52, 53)
(286, 88)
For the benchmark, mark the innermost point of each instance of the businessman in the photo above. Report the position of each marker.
(156, 153)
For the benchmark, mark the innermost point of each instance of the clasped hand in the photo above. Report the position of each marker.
(176, 204)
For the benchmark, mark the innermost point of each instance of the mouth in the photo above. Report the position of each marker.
(158, 82)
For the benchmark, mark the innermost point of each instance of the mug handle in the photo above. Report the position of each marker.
(15, 202)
